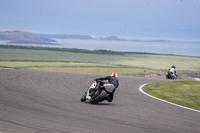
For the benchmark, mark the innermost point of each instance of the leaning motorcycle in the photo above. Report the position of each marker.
(171, 75)
(98, 95)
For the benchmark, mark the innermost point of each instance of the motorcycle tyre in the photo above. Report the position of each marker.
(168, 76)
(83, 98)
(99, 98)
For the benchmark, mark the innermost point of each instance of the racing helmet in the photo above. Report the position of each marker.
(114, 74)
(173, 66)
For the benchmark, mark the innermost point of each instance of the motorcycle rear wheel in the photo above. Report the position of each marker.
(98, 98)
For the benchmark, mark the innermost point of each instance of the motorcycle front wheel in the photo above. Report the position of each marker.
(83, 98)
(100, 97)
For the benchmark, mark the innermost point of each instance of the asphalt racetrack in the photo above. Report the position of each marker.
(49, 102)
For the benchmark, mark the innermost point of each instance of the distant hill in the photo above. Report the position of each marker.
(77, 36)
(111, 38)
(27, 37)
(66, 36)
(24, 37)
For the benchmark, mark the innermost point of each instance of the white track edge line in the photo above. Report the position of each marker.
(141, 90)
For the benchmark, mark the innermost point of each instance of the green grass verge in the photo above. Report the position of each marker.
(185, 93)
(141, 60)
(94, 68)
(97, 62)
(86, 68)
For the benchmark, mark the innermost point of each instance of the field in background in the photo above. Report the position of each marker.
(97, 62)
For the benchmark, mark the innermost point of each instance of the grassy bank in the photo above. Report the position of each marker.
(97, 62)
(185, 93)
(86, 68)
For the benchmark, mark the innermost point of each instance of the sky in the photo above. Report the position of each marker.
(134, 19)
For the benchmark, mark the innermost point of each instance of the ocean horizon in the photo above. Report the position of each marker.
(185, 48)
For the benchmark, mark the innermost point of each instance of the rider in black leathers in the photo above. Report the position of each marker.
(112, 79)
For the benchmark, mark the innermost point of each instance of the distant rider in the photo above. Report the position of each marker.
(172, 72)
(112, 79)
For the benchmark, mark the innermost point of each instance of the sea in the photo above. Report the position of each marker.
(185, 48)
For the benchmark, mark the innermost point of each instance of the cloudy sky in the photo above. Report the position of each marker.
(136, 19)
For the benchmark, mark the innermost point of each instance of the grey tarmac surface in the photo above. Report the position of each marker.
(49, 102)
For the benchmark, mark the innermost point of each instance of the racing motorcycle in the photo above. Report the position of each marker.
(171, 75)
(98, 95)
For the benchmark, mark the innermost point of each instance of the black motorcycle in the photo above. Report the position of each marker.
(98, 95)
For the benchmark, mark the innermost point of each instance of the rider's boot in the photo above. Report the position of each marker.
(109, 98)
